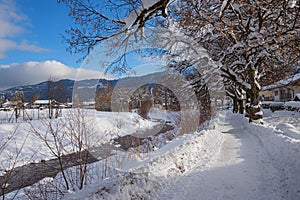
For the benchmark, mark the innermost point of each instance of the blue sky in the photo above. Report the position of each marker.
(37, 24)
(31, 46)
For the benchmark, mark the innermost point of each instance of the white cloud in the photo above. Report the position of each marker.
(12, 25)
(10, 19)
(17, 74)
(6, 45)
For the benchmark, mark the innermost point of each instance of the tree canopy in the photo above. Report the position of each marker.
(251, 41)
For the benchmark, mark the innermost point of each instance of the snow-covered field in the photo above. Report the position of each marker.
(231, 160)
(25, 146)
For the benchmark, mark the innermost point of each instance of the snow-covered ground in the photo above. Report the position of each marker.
(287, 105)
(294, 104)
(24, 146)
(235, 160)
(253, 162)
(231, 160)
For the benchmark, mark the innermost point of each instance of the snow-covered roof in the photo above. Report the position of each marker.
(87, 103)
(9, 103)
(283, 82)
(45, 102)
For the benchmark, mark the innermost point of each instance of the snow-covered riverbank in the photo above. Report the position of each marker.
(231, 160)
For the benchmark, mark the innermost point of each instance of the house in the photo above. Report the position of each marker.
(12, 104)
(9, 104)
(89, 104)
(40, 104)
(284, 90)
(69, 105)
(44, 103)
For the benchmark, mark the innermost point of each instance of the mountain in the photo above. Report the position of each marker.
(65, 85)
(40, 88)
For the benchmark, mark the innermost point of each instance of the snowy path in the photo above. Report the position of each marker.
(242, 169)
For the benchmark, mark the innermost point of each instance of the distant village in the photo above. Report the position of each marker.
(145, 97)
(7, 104)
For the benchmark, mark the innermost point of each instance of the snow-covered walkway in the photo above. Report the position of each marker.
(243, 168)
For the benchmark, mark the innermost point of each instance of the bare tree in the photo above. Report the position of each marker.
(56, 93)
(12, 150)
(80, 131)
(50, 96)
(35, 97)
(103, 97)
(96, 22)
(70, 140)
(55, 140)
(18, 104)
(2, 99)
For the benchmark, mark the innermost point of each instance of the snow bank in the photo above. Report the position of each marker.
(275, 106)
(288, 130)
(144, 176)
(289, 105)
(272, 103)
(285, 152)
(294, 104)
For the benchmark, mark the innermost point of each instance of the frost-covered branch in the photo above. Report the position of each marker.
(96, 21)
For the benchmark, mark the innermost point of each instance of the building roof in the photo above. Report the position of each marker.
(9, 103)
(283, 82)
(44, 102)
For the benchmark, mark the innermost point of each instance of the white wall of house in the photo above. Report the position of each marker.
(296, 91)
(285, 94)
(276, 94)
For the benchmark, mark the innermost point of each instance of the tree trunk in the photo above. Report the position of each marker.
(50, 110)
(235, 105)
(241, 106)
(253, 107)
